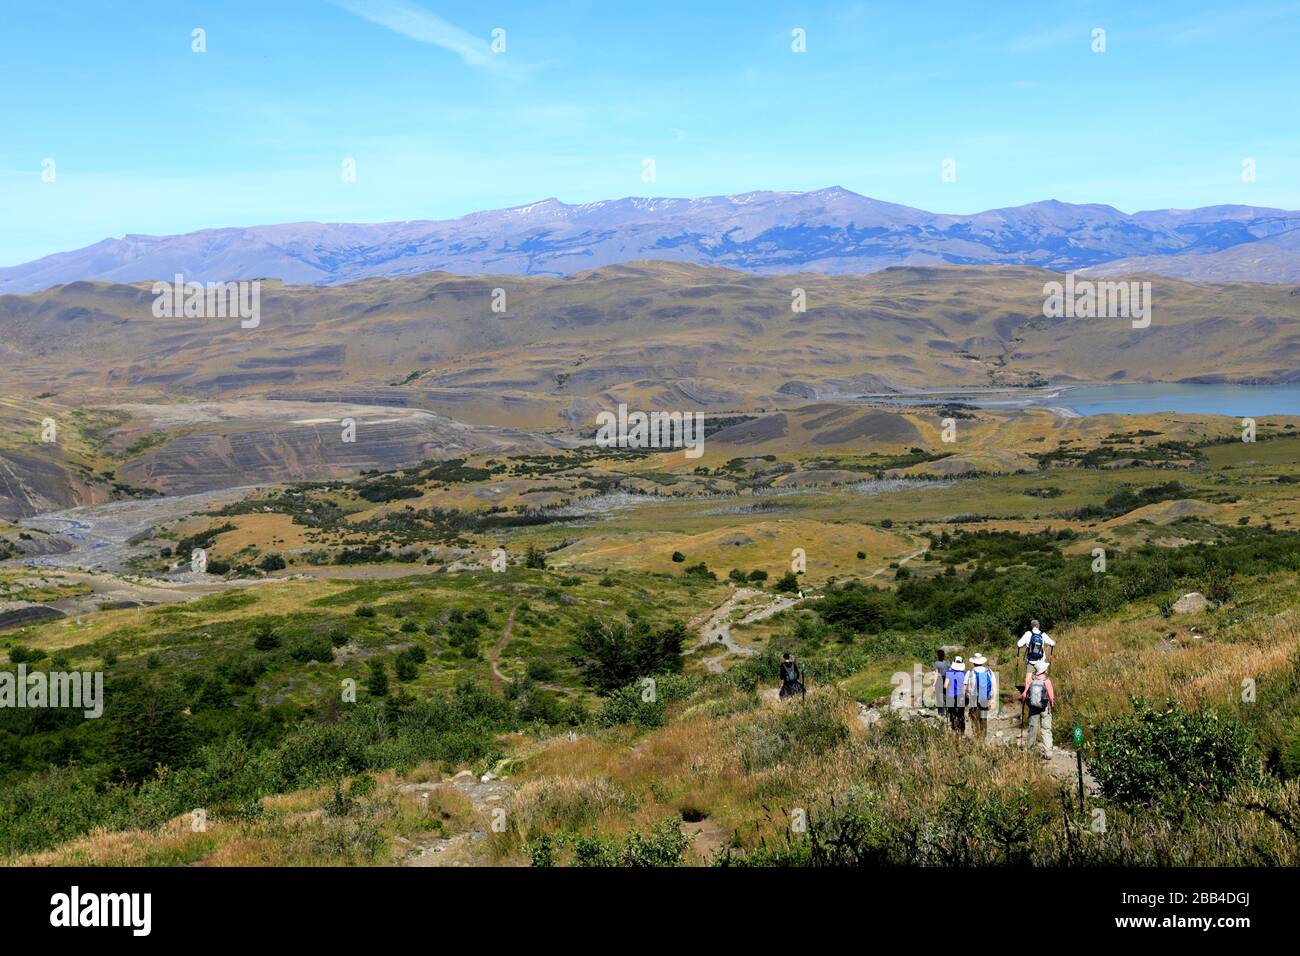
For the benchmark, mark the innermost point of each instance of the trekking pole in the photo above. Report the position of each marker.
(1078, 757)
(1015, 656)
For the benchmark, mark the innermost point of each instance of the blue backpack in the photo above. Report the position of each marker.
(983, 685)
(1035, 652)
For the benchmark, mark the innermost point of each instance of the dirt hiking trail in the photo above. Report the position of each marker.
(486, 795)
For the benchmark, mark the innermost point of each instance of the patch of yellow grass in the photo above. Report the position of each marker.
(175, 842)
(1097, 667)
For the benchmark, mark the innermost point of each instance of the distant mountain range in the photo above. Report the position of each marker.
(831, 231)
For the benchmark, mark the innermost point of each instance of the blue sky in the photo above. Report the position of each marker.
(150, 137)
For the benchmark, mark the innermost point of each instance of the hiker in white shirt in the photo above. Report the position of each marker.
(1037, 648)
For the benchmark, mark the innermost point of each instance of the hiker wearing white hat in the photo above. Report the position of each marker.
(981, 692)
(955, 692)
(1041, 697)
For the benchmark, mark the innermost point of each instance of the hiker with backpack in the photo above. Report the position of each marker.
(1037, 647)
(791, 678)
(1039, 696)
(955, 680)
(940, 681)
(981, 692)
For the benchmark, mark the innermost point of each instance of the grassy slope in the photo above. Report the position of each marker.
(714, 757)
(646, 331)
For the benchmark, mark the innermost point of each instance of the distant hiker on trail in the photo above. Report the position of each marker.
(791, 678)
(955, 685)
(940, 680)
(1037, 647)
(981, 695)
(1040, 697)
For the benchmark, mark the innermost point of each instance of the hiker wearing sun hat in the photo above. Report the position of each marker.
(955, 692)
(981, 693)
(1040, 696)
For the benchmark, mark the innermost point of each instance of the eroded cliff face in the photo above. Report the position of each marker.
(32, 483)
(238, 454)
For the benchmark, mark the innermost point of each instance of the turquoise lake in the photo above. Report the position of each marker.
(1235, 400)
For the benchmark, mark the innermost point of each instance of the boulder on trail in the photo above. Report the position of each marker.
(1191, 603)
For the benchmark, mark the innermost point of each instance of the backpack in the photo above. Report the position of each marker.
(983, 685)
(789, 672)
(1035, 652)
(1038, 699)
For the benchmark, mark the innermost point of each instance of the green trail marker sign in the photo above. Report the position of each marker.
(1078, 756)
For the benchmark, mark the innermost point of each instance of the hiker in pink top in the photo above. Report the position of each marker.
(1040, 696)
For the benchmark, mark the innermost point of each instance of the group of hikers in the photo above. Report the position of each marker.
(959, 691)
(974, 692)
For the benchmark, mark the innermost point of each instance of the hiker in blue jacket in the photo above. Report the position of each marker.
(955, 696)
(981, 692)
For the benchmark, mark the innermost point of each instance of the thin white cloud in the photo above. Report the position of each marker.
(1049, 38)
(418, 24)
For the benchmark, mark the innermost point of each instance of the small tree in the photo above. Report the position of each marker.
(788, 583)
(377, 683)
(535, 558)
(612, 653)
(267, 639)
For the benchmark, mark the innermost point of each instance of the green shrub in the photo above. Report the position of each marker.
(542, 671)
(700, 570)
(315, 649)
(1151, 754)
(635, 704)
(787, 583)
(267, 639)
(664, 845)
